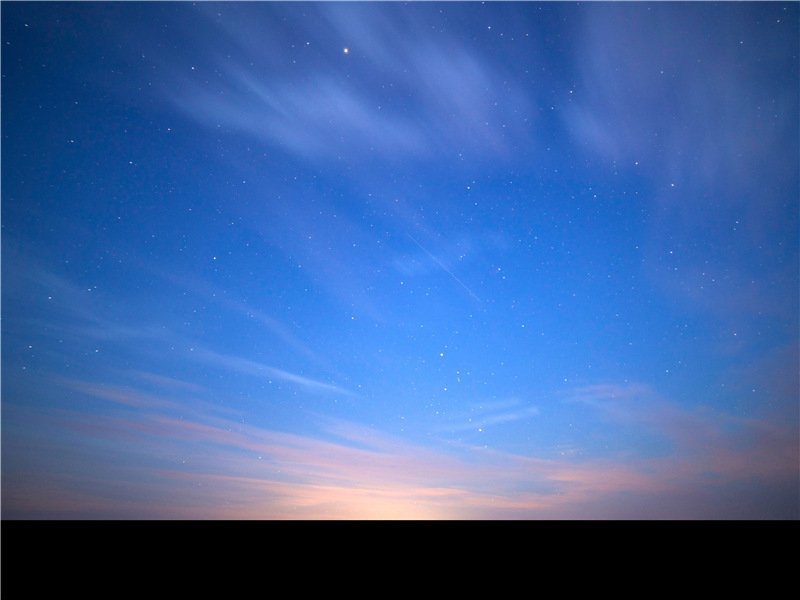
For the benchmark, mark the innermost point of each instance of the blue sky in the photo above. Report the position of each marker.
(388, 260)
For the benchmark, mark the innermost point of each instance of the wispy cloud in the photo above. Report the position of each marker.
(493, 413)
(723, 178)
(315, 114)
(204, 466)
(704, 441)
(251, 367)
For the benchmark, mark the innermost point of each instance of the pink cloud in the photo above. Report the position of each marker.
(201, 466)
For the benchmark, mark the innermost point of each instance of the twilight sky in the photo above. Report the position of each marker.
(388, 260)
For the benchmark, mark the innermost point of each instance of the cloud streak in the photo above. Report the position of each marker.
(720, 153)
(450, 105)
(218, 467)
(256, 369)
(446, 270)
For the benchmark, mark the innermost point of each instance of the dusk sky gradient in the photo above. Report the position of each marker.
(400, 260)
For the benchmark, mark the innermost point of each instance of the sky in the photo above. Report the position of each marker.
(400, 260)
